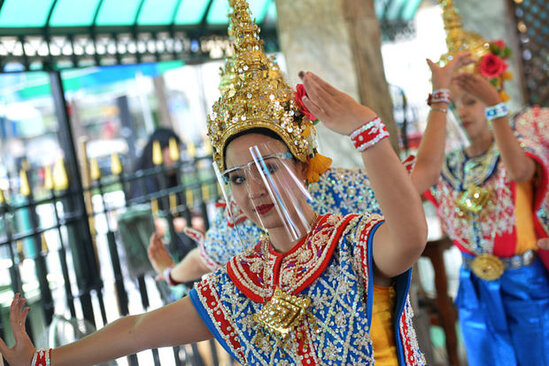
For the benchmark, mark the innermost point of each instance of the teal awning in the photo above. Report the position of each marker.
(396, 17)
(64, 34)
(24, 17)
(57, 34)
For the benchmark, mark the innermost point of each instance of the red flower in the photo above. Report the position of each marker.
(299, 94)
(492, 66)
(500, 43)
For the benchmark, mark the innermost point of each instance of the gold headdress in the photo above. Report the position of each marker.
(490, 56)
(254, 94)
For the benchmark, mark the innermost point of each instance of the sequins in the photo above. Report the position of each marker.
(335, 330)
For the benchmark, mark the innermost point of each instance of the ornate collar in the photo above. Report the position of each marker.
(258, 271)
(462, 171)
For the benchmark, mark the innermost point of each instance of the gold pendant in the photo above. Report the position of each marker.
(283, 312)
(473, 200)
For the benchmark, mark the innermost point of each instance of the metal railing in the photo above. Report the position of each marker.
(45, 227)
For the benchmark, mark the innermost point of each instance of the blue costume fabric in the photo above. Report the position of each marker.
(332, 268)
(504, 321)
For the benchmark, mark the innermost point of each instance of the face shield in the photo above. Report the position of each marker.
(456, 136)
(268, 188)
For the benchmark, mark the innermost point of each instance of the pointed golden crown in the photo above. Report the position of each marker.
(458, 39)
(490, 56)
(254, 93)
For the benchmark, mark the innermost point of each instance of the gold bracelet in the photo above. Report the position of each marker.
(443, 110)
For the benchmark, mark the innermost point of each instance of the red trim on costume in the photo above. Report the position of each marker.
(331, 248)
(404, 335)
(223, 325)
(255, 278)
(541, 189)
(505, 245)
(429, 196)
(539, 195)
(245, 290)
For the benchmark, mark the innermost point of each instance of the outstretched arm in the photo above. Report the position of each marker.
(430, 154)
(174, 324)
(399, 242)
(519, 166)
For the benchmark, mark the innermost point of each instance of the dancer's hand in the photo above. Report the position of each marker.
(543, 243)
(159, 256)
(23, 350)
(442, 76)
(479, 87)
(337, 110)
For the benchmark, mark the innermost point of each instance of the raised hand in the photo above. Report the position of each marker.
(23, 350)
(159, 256)
(478, 87)
(337, 111)
(543, 243)
(442, 76)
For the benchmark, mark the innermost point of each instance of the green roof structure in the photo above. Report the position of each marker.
(63, 34)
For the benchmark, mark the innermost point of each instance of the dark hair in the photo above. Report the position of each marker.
(163, 136)
(146, 185)
(259, 131)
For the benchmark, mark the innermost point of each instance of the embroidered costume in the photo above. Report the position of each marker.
(503, 295)
(313, 304)
(333, 268)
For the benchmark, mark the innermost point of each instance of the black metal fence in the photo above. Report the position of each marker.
(61, 244)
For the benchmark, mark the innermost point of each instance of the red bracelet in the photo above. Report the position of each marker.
(439, 96)
(41, 358)
(168, 277)
(369, 134)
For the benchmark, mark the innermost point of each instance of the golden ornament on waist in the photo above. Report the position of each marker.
(283, 312)
(487, 266)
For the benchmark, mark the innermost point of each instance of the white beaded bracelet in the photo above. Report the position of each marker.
(496, 111)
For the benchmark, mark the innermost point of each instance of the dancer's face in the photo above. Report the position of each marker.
(471, 112)
(248, 188)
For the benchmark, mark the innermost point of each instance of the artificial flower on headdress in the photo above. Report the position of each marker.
(299, 94)
(491, 56)
(494, 67)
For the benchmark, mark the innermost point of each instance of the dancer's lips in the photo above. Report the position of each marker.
(264, 209)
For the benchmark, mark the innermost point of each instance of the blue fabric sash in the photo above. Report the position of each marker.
(505, 321)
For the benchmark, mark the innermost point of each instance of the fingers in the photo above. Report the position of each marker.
(313, 108)
(431, 65)
(16, 310)
(314, 91)
(156, 240)
(465, 80)
(20, 334)
(3, 348)
(323, 84)
(543, 243)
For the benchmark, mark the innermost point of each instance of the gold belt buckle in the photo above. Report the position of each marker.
(487, 266)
